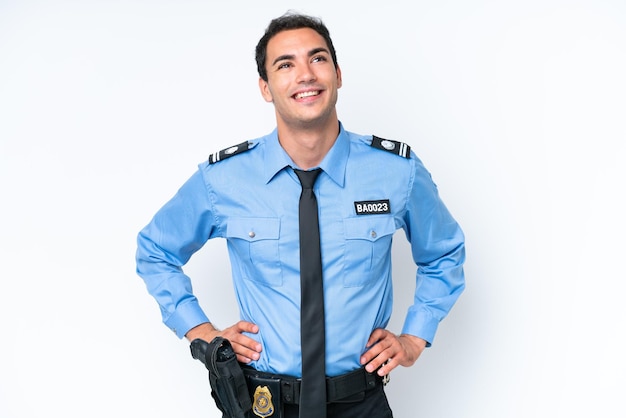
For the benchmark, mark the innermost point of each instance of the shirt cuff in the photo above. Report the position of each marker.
(186, 317)
(422, 324)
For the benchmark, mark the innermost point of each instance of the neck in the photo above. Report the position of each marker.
(307, 146)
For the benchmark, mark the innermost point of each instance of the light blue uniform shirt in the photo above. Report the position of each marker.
(251, 200)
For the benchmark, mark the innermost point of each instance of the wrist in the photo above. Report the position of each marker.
(205, 331)
(415, 341)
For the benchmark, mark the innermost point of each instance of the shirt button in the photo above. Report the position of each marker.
(251, 234)
(373, 234)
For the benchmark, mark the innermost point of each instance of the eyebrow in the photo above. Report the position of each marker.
(312, 52)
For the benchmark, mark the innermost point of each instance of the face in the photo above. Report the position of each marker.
(302, 81)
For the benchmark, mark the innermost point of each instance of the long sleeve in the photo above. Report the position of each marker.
(179, 229)
(438, 249)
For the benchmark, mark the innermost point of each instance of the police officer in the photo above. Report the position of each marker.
(368, 188)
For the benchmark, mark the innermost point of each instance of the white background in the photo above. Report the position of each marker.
(516, 107)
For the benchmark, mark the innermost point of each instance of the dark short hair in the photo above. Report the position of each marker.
(290, 21)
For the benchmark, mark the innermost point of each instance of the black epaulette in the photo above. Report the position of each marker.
(229, 152)
(394, 147)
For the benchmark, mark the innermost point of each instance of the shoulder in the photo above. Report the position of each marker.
(394, 155)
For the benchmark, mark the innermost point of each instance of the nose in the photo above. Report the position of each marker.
(305, 73)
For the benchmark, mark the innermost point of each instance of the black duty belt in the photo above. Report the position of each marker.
(337, 388)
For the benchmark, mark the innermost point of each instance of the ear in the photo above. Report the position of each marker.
(338, 77)
(265, 90)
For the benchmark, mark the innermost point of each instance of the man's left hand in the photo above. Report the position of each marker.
(390, 351)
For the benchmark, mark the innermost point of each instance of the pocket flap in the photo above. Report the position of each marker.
(370, 228)
(253, 229)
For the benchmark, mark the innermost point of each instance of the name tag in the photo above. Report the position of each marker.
(372, 207)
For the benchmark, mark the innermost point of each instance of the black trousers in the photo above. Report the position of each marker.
(374, 405)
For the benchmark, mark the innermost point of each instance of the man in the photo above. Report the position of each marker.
(249, 194)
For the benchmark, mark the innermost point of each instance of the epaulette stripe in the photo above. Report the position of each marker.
(404, 150)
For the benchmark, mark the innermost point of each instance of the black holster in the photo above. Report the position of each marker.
(228, 384)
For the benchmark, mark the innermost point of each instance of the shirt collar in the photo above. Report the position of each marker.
(333, 164)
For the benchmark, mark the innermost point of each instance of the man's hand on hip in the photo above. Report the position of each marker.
(386, 351)
(245, 347)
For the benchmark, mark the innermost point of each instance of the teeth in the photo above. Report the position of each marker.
(307, 94)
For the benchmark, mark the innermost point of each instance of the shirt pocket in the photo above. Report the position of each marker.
(254, 242)
(367, 253)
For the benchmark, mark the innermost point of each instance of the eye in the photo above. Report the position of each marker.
(319, 58)
(283, 65)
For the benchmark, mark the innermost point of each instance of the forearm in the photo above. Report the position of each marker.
(170, 288)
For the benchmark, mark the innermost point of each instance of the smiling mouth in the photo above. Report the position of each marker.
(305, 94)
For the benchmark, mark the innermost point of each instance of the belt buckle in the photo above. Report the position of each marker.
(386, 379)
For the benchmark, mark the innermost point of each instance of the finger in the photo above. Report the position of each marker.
(248, 342)
(375, 346)
(376, 335)
(245, 326)
(378, 361)
(374, 360)
(246, 348)
(386, 355)
(235, 333)
(246, 360)
(370, 354)
(387, 366)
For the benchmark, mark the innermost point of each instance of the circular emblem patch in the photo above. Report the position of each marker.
(388, 145)
(231, 150)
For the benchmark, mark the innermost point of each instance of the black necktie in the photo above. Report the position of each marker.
(312, 335)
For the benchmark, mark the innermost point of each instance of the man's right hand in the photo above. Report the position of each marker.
(246, 348)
